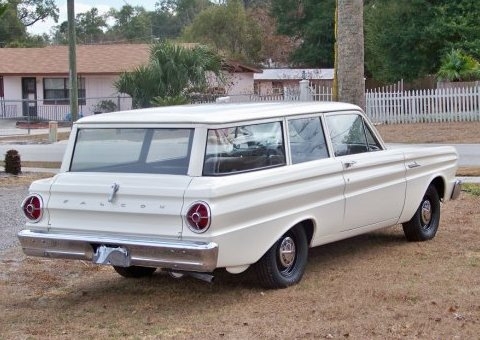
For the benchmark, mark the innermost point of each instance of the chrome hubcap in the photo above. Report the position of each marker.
(287, 252)
(426, 212)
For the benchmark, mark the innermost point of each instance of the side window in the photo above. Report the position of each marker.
(373, 143)
(244, 148)
(307, 141)
(350, 136)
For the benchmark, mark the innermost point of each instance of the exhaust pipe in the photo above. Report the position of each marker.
(200, 276)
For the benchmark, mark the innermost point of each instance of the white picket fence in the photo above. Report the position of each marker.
(424, 106)
(392, 105)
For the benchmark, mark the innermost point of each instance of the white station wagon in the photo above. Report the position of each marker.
(191, 189)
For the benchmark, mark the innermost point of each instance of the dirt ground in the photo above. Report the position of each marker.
(375, 286)
(448, 133)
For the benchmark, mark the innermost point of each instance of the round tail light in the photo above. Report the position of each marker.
(32, 207)
(198, 217)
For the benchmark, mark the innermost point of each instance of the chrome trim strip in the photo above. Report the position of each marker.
(168, 254)
(457, 188)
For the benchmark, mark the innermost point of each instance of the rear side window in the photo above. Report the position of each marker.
(307, 141)
(156, 151)
(244, 148)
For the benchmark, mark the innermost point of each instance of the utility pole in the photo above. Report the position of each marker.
(72, 58)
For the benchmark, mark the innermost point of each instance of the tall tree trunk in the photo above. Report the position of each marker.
(349, 71)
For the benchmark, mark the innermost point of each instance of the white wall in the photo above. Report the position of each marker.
(235, 83)
(13, 96)
(239, 83)
(100, 88)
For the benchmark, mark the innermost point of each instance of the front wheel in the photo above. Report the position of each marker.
(424, 224)
(134, 271)
(284, 263)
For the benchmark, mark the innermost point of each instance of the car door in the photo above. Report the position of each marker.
(322, 182)
(374, 177)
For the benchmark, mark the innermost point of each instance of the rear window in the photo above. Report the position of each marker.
(244, 148)
(124, 150)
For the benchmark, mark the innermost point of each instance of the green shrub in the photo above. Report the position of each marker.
(168, 101)
(105, 106)
(458, 66)
(12, 162)
(472, 189)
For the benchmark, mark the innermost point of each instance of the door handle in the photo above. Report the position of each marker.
(349, 164)
(413, 165)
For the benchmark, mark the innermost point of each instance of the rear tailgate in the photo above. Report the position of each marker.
(127, 204)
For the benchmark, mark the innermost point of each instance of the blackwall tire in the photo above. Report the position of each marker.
(424, 224)
(284, 263)
(134, 271)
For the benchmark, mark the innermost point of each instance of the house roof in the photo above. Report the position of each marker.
(91, 59)
(237, 67)
(294, 74)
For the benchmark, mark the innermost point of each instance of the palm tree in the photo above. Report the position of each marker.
(457, 66)
(349, 52)
(172, 72)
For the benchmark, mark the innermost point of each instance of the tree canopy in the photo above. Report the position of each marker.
(131, 23)
(407, 39)
(403, 39)
(20, 14)
(311, 22)
(31, 11)
(227, 28)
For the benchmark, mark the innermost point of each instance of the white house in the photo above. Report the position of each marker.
(279, 81)
(35, 81)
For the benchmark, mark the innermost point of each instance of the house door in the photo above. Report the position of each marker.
(29, 96)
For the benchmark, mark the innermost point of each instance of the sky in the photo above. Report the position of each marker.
(85, 5)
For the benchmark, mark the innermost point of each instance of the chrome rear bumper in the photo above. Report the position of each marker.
(168, 254)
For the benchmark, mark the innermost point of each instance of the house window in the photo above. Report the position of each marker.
(277, 87)
(56, 91)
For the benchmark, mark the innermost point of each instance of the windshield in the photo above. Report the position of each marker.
(125, 150)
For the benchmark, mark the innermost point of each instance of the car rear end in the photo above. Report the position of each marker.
(119, 200)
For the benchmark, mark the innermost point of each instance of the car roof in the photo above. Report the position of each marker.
(216, 113)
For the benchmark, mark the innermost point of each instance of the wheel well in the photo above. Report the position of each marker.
(308, 227)
(439, 185)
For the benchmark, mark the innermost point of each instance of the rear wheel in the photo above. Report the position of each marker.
(424, 224)
(284, 263)
(134, 271)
